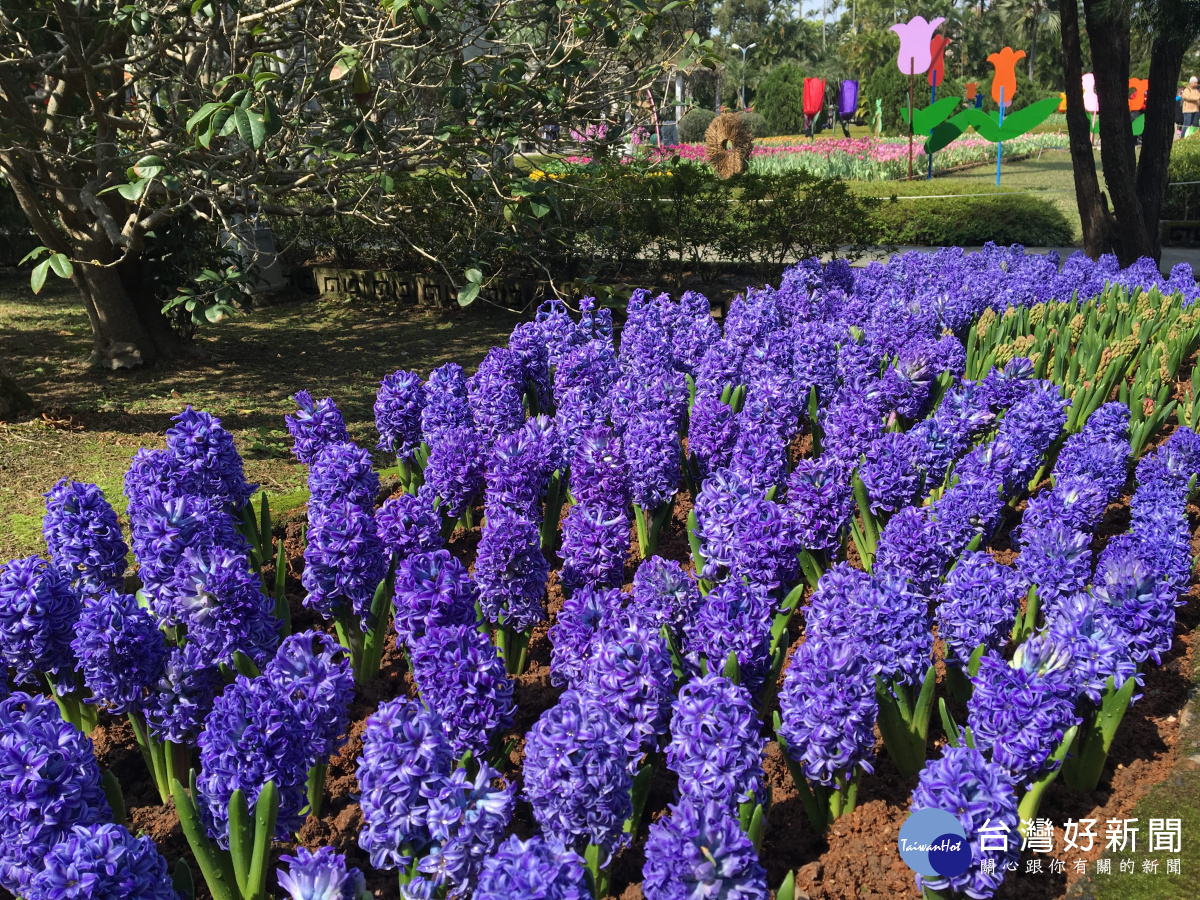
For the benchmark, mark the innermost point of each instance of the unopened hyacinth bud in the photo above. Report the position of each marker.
(49, 781)
(343, 559)
(496, 393)
(405, 758)
(532, 870)
(38, 612)
(735, 618)
(432, 589)
(828, 710)
(120, 650)
(978, 604)
(407, 526)
(454, 476)
(446, 403)
(311, 671)
(103, 862)
(323, 875)
(253, 735)
(577, 775)
(716, 745)
(1019, 711)
(462, 678)
(595, 543)
(342, 470)
(630, 673)
(575, 632)
(511, 572)
(314, 425)
(84, 536)
(981, 796)
(698, 850)
(399, 403)
(205, 454)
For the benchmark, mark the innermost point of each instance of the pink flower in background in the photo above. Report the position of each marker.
(915, 35)
(1091, 102)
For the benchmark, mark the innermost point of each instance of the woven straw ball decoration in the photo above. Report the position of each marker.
(728, 143)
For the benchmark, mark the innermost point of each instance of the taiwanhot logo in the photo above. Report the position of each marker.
(933, 844)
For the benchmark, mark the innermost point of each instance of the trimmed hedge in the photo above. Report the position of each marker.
(1183, 200)
(972, 221)
(780, 99)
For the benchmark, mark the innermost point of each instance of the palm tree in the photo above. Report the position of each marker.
(1029, 16)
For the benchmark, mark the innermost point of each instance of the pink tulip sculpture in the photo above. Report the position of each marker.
(1091, 102)
(915, 57)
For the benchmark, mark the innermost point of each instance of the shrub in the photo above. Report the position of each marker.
(887, 84)
(780, 99)
(758, 124)
(1183, 200)
(693, 125)
(972, 221)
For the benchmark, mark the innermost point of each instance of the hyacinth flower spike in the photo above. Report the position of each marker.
(399, 403)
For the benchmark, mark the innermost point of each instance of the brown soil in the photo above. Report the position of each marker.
(858, 856)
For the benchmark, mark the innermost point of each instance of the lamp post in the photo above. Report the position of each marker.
(743, 49)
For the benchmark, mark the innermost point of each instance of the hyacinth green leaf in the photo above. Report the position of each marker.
(948, 724)
(114, 795)
(181, 880)
(241, 839)
(215, 865)
(787, 889)
(266, 812)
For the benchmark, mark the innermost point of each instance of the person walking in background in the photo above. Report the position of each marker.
(1190, 96)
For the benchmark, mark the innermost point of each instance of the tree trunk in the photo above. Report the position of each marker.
(1166, 59)
(1108, 32)
(126, 331)
(1097, 221)
(13, 399)
(1033, 42)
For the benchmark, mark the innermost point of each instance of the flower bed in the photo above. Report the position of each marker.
(694, 633)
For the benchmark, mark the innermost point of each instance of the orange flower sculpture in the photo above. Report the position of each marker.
(1006, 73)
(937, 50)
(972, 90)
(1137, 100)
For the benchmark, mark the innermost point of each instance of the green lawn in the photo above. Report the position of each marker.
(250, 367)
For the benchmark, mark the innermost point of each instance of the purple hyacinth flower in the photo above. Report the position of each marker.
(343, 559)
(446, 404)
(1019, 711)
(889, 472)
(820, 502)
(342, 470)
(206, 457)
(466, 819)
(1056, 558)
(532, 870)
(314, 425)
(511, 572)
(1078, 501)
(454, 475)
(978, 604)
(665, 594)
(630, 673)
(828, 710)
(980, 795)
(734, 618)
(599, 473)
(1099, 647)
(432, 589)
(153, 475)
(323, 875)
(910, 549)
(120, 650)
(405, 759)
(103, 862)
(462, 678)
(252, 736)
(716, 745)
(496, 394)
(575, 633)
(407, 526)
(517, 472)
(38, 613)
(1137, 598)
(712, 433)
(698, 850)
(49, 782)
(595, 543)
(182, 697)
(530, 346)
(652, 454)
(84, 536)
(399, 403)
(312, 672)
(577, 775)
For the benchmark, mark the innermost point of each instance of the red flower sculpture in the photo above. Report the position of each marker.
(937, 50)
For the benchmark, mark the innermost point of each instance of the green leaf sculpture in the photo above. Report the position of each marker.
(987, 125)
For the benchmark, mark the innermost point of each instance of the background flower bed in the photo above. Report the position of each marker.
(1023, 286)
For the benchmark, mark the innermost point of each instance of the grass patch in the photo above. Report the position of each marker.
(247, 371)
